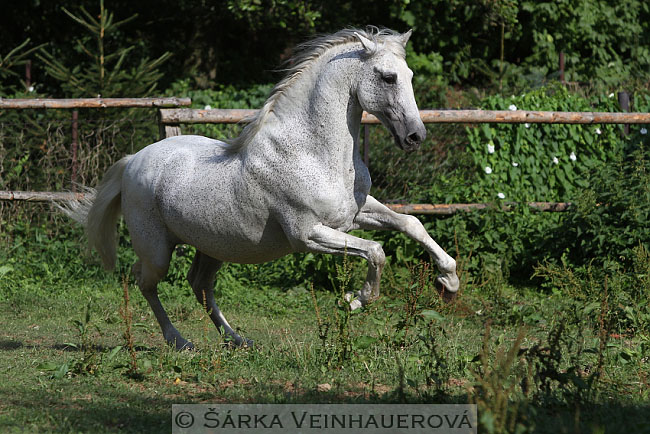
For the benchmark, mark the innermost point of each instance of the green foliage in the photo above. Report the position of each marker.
(540, 162)
(611, 217)
(602, 41)
(515, 42)
(18, 56)
(468, 30)
(499, 44)
(103, 74)
(282, 13)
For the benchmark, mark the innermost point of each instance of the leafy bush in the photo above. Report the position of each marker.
(541, 162)
(603, 41)
(610, 218)
(515, 43)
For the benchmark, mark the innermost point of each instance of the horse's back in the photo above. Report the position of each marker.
(178, 151)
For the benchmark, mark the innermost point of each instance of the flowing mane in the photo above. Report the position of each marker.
(306, 55)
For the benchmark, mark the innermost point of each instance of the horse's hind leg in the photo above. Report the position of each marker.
(148, 275)
(201, 278)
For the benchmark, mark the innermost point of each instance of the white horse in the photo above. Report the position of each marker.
(293, 181)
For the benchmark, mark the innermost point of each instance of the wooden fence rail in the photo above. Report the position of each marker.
(232, 116)
(43, 103)
(171, 119)
(423, 209)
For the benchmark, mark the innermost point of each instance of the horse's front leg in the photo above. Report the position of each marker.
(323, 239)
(377, 216)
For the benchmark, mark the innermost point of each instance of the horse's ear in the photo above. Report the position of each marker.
(368, 45)
(404, 37)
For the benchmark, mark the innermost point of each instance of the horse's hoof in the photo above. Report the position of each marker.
(247, 343)
(355, 303)
(232, 343)
(446, 295)
(187, 346)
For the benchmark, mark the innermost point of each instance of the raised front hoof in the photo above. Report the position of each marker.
(446, 295)
(358, 302)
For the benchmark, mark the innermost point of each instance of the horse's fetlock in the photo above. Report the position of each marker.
(448, 267)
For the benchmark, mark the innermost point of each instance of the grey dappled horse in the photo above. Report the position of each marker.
(293, 181)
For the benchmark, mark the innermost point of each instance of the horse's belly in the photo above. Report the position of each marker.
(229, 241)
(243, 252)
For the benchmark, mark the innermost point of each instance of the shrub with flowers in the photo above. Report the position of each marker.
(543, 162)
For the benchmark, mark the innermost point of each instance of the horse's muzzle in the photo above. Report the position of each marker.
(414, 138)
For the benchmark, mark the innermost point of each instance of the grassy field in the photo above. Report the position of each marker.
(74, 359)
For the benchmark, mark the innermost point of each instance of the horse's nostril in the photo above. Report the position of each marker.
(414, 138)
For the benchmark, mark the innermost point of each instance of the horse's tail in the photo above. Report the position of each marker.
(98, 213)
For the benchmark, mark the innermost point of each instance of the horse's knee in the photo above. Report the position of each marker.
(414, 226)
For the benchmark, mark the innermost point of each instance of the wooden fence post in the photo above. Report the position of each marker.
(624, 102)
(167, 130)
(28, 74)
(73, 146)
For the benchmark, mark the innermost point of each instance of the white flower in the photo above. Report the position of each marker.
(207, 107)
(643, 131)
(512, 107)
(611, 95)
(515, 164)
(572, 156)
(501, 195)
(488, 169)
(490, 149)
(598, 131)
(527, 125)
(30, 89)
(555, 160)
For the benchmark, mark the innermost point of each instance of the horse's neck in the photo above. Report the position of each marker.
(321, 116)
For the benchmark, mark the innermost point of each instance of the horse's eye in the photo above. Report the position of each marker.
(390, 78)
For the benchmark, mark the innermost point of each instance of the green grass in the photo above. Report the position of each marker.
(68, 371)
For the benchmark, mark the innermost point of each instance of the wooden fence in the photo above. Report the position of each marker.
(77, 103)
(171, 120)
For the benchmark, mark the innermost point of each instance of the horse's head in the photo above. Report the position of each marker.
(384, 88)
